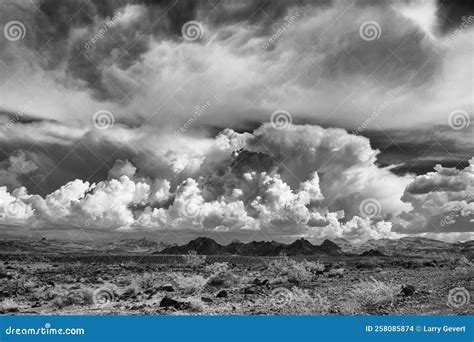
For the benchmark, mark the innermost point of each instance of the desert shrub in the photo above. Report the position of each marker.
(192, 259)
(144, 281)
(373, 292)
(292, 269)
(310, 303)
(217, 267)
(223, 279)
(463, 262)
(314, 267)
(22, 284)
(189, 284)
(8, 304)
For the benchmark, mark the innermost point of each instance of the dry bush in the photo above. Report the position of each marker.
(217, 267)
(192, 259)
(314, 267)
(292, 269)
(373, 292)
(310, 303)
(189, 284)
(8, 304)
(22, 285)
(144, 281)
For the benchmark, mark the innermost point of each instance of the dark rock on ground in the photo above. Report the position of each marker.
(168, 302)
(407, 290)
(222, 294)
(167, 288)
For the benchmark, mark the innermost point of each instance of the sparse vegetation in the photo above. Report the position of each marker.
(296, 270)
(232, 285)
(369, 293)
(189, 284)
(217, 267)
(192, 259)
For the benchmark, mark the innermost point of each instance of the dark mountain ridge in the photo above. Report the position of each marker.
(207, 246)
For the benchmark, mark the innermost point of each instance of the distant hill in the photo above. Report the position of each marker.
(410, 246)
(207, 246)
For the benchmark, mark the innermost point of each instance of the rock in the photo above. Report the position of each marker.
(259, 282)
(206, 300)
(167, 288)
(222, 294)
(250, 290)
(293, 281)
(407, 290)
(167, 302)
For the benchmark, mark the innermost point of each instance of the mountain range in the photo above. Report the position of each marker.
(407, 246)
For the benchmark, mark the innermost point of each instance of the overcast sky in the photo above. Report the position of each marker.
(237, 119)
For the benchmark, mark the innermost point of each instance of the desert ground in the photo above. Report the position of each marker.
(139, 283)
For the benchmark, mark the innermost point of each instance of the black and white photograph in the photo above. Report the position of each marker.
(236, 158)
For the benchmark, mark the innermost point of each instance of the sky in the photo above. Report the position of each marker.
(243, 119)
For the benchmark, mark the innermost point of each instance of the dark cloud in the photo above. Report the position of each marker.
(452, 13)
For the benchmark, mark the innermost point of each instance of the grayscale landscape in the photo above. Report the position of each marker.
(236, 157)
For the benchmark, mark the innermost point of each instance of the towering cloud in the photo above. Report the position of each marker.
(286, 118)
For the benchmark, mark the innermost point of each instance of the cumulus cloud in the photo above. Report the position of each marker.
(163, 165)
(442, 201)
(14, 168)
(296, 183)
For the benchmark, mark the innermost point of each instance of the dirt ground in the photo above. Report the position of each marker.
(195, 285)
